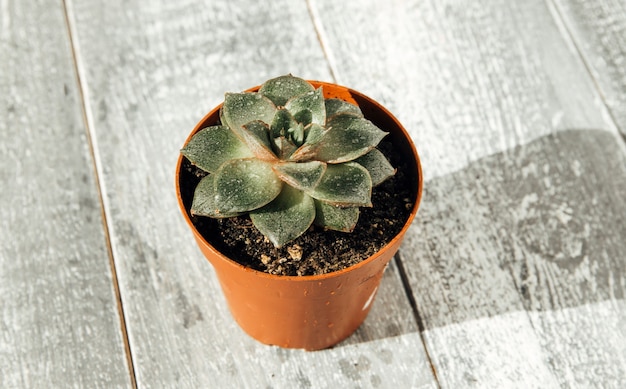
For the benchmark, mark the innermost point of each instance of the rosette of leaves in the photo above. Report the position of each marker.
(289, 158)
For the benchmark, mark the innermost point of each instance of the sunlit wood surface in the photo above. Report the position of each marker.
(512, 275)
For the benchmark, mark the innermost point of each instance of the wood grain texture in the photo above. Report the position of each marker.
(485, 89)
(516, 263)
(598, 29)
(466, 79)
(59, 323)
(166, 65)
(526, 247)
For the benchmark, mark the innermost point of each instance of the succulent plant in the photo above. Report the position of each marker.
(289, 158)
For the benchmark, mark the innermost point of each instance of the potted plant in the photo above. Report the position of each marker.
(277, 167)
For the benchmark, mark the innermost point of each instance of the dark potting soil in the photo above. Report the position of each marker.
(317, 251)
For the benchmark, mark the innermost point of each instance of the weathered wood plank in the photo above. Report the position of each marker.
(466, 80)
(548, 219)
(473, 80)
(59, 323)
(598, 29)
(167, 64)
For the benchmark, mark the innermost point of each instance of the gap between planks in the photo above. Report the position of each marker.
(97, 170)
(570, 39)
(332, 67)
(321, 38)
(418, 319)
(319, 31)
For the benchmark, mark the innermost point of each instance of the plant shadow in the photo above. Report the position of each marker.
(539, 227)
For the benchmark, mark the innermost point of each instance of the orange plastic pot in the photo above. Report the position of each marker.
(310, 312)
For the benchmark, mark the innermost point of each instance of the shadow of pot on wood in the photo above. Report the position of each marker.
(318, 311)
(538, 228)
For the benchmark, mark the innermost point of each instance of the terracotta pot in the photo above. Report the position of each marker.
(310, 312)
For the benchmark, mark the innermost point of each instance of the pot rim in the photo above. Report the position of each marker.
(318, 277)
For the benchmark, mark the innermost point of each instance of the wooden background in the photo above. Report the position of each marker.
(512, 275)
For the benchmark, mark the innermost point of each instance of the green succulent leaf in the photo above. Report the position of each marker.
(305, 117)
(212, 146)
(285, 218)
(377, 164)
(336, 218)
(296, 134)
(204, 200)
(347, 138)
(282, 122)
(283, 147)
(256, 136)
(313, 134)
(281, 89)
(348, 184)
(337, 106)
(303, 176)
(242, 185)
(242, 108)
(308, 108)
(289, 158)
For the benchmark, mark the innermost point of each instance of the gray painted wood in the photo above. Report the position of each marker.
(166, 65)
(526, 247)
(466, 80)
(598, 29)
(516, 261)
(59, 323)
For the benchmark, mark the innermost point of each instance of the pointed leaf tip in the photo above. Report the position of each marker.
(204, 200)
(336, 218)
(256, 135)
(242, 108)
(348, 184)
(242, 185)
(347, 138)
(303, 175)
(280, 89)
(212, 146)
(282, 122)
(308, 107)
(313, 134)
(338, 106)
(377, 165)
(285, 218)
